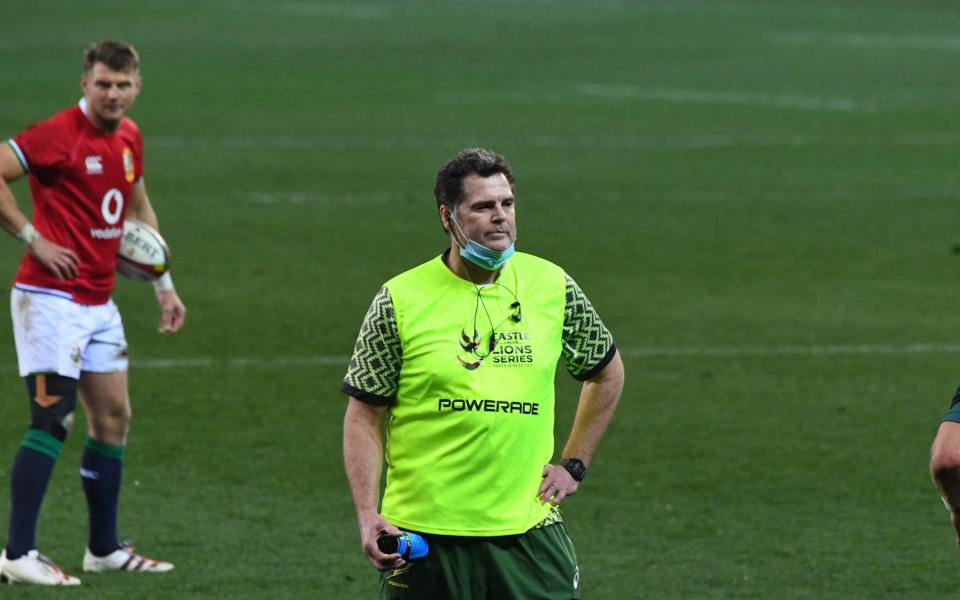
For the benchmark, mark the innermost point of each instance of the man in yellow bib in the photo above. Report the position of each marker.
(455, 364)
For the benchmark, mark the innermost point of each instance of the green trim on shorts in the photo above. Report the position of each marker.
(42, 442)
(540, 563)
(104, 449)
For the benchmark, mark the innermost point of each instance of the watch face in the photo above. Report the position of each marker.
(575, 467)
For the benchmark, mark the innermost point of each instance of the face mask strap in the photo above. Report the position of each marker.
(450, 217)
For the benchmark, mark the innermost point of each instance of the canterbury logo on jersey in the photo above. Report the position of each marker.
(94, 165)
(494, 406)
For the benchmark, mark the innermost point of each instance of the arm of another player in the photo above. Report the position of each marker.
(172, 311)
(598, 401)
(363, 460)
(61, 261)
(945, 469)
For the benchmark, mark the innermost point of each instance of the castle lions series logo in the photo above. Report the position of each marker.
(502, 349)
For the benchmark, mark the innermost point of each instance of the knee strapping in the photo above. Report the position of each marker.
(53, 399)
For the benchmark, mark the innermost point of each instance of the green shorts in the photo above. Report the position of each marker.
(954, 413)
(540, 563)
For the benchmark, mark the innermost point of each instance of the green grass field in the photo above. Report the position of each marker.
(760, 197)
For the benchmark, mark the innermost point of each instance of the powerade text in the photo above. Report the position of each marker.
(462, 404)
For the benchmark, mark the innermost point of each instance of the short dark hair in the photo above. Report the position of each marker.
(472, 161)
(119, 56)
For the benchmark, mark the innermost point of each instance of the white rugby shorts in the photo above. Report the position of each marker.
(54, 334)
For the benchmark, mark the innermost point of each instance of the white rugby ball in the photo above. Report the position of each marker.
(143, 256)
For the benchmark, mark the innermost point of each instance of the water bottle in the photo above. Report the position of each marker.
(409, 546)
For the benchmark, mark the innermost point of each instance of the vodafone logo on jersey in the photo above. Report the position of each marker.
(111, 207)
(94, 165)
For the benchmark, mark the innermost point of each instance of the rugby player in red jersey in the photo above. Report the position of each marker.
(85, 167)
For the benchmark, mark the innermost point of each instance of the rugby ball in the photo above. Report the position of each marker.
(143, 256)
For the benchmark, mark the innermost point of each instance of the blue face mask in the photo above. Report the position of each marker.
(480, 255)
(484, 257)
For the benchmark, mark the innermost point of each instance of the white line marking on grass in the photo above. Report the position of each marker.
(791, 195)
(289, 361)
(592, 92)
(318, 198)
(613, 141)
(928, 139)
(342, 360)
(314, 9)
(171, 363)
(626, 92)
(867, 40)
(506, 97)
(284, 142)
(567, 9)
(814, 350)
(239, 362)
(706, 141)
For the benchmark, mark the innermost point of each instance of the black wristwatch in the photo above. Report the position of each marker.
(575, 467)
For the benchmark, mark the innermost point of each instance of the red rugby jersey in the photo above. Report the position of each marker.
(81, 180)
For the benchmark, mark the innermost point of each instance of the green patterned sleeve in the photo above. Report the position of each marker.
(587, 344)
(374, 369)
